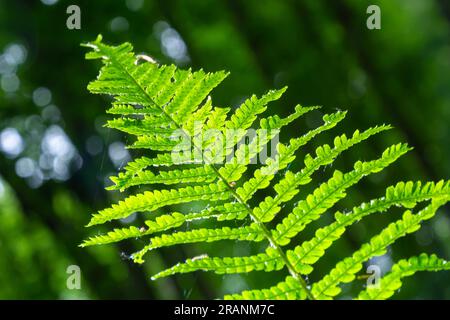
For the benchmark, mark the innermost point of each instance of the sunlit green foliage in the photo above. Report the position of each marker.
(154, 101)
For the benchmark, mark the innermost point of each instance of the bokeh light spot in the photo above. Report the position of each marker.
(25, 167)
(10, 83)
(134, 5)
(118, 154)
(11, 142)
(49, 2)
(42, 96)
(119, 24)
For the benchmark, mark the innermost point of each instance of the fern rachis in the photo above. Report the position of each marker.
(154, 102)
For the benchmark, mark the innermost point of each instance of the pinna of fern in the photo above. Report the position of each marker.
(154, 101)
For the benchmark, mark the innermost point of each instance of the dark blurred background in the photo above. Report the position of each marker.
(56, 156)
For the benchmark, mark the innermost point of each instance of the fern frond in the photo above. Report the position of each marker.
(233, 169)
(247, 113)
(193, 175)
(268, 261)
(148, 125)
(130, 110)
(202, 151)
(136, 169)
(217, 118)
(391, 282)
(302, 257)
(345, 270)
(189, 96)
(402, 194)
(139, 164)
(246, 233)
(235, 129)
(227, 211)
(287, 188)
(156, 142)
(285, 290)
(152, 200)
(115, 235)
(286, 154)
(330, 192)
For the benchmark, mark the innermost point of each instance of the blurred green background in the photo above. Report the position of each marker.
(56, 156)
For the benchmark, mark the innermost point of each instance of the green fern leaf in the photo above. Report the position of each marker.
(201, 150)
(286, 290)
(268, 261)
(391, 282)
(326, 195)
(285, 156)
(152, 200)
(200, 174)
(345, 270)
(286, 189)
(227, 211)
(403, 194)
(246, 233)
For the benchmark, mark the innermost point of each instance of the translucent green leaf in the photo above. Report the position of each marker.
(152, 200)
(268, 261)
(391, 282)
(409, 193)
(345, 270)
(246, 233)
(330, 192)
(288, 289)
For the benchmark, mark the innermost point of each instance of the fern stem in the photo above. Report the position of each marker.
(260, 224)
(269, 237)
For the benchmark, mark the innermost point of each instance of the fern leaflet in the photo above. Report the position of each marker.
(215, 158)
